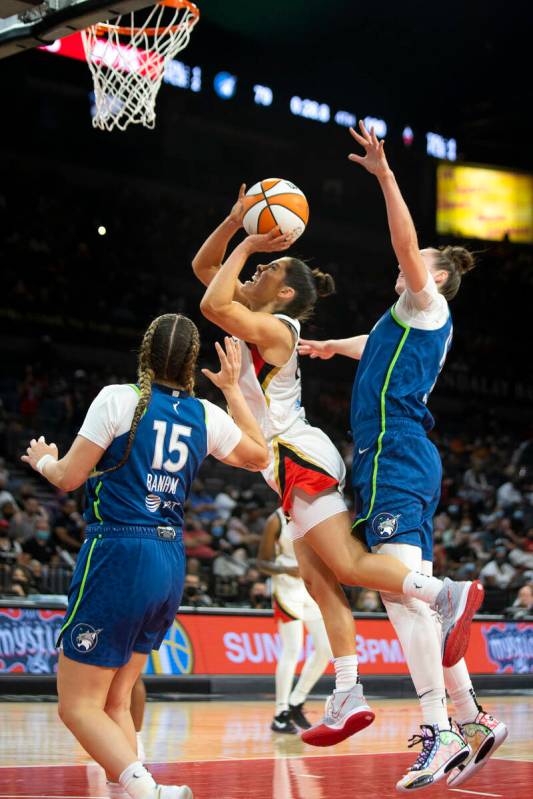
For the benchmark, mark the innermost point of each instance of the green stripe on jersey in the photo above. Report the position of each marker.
(383, 399)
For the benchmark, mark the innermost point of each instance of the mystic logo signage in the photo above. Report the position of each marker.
(27, 640)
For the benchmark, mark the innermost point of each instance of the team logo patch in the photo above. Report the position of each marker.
(152, 502)
(385, 525)
(84, 638)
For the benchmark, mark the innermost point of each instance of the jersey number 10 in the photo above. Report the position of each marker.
(174, 445)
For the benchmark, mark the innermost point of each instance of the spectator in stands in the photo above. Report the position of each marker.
(476, 487)
(197, 540)
(32, 510)
(523, 604)
(40, 546)
(9, 548)
(37, 577)
(368, 601)
(225, 502)
(195, 592)
(231, 563)
(202, 503)
(68, 527)
(508, 495)
(498, 573)
(21, 582)
(5, 495)
(521, 555)
(258, 596)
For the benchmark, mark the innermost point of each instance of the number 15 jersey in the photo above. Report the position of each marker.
(174, 436)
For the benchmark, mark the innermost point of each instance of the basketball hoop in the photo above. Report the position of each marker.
(127, 60)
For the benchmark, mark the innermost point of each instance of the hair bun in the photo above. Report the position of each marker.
(325, 285)
(462, 258)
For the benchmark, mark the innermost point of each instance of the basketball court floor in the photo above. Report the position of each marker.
(225, 750)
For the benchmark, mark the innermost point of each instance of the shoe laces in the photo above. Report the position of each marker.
(427, 739)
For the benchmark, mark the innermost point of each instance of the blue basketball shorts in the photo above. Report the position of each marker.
(124, 595)
(397, 481)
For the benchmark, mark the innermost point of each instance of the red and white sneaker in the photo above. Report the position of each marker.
(455, 605)
(346, 713)
(483, 736)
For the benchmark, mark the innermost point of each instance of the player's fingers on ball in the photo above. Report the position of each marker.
(242, 191)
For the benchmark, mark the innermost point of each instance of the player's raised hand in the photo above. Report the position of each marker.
(274, 241)
(36, 450)
(316, 349)
(236, 214)
(374, 160)
(230, 365)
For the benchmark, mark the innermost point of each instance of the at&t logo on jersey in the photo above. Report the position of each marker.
(152, 502)
(385, 525)
(84, 638)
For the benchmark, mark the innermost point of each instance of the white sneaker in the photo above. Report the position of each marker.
(346, 713)
(173, 792)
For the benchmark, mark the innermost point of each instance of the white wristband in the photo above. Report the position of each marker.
(41, 463)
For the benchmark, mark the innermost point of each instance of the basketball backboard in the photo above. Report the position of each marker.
(29, 23)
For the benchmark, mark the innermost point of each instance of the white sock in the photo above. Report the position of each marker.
(421, 586)
(459, 686)
(138, 782)
(141, 754)
(345, 672)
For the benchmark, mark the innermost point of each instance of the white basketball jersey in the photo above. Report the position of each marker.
(274, 393)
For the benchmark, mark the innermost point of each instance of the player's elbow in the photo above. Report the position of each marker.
(209, 309)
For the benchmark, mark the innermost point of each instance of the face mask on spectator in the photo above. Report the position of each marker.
(42, 535)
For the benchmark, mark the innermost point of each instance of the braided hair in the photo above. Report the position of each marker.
(168, 352)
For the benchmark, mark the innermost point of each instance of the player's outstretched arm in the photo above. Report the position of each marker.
(211, 254)
(251, 452)
(350, 347)
(255, 327)
(402, 230)
(69, 472)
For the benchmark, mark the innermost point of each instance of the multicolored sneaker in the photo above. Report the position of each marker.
(346, 713)
(483, 736)
(299, 717)
(442, 751)
(455, 605)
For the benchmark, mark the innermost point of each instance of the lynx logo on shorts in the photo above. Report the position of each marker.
(84, 638)
(385, 525)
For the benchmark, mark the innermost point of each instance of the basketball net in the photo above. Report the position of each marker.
(128, 60)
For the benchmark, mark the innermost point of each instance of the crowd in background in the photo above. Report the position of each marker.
(83, 300)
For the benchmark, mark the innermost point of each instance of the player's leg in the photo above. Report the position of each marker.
(483, 733)
(291, 636)
(347, 711)
(119, 699)
(313, 668)
(442, 747)
(83, 693)
(138, 705)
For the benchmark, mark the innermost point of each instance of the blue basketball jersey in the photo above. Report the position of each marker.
(150, 489)
(397, 372)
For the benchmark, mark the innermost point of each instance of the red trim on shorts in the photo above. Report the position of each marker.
(281, 614)
(294, 471)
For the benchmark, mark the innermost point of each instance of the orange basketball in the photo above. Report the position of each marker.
(275, 202)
